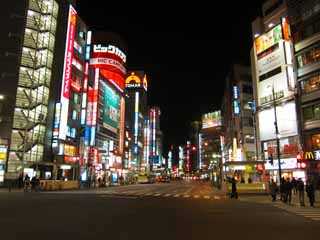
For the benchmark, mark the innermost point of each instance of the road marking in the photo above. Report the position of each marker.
(217, 197)
(196, 196)
(186, 196)
(167, 195)
(148, 194)
(177, 195)
(114, 196)
(157, 194)
(206, 197)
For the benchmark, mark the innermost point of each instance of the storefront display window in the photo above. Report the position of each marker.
(311, 84)
(315, 141)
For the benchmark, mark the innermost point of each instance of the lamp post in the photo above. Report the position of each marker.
(277, 132)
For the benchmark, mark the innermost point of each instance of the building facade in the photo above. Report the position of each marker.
(137, 122)
(304, 19)
(275, 85)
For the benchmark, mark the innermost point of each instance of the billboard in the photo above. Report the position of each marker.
(268, 39)
(111, 116)
(286, 118)
(67, 71)
(271, 61)
(212, 119)
(108, 57)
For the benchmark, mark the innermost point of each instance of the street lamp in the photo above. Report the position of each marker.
(276, 131)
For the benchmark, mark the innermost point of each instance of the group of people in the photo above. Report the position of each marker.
(28, 184)
(288, 186)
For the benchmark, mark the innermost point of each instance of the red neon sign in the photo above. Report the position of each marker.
(69, 53)
(115, 77)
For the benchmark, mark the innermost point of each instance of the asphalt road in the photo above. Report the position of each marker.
(183, 210)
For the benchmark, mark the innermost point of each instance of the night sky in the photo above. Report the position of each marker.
(184, 49)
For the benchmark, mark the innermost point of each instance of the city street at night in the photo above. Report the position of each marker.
(176, 210)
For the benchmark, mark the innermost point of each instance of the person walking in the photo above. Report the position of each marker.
(300, 188)
(294, 185)
(234, 193)
(20, 181)
(273, 190)
(310, 191)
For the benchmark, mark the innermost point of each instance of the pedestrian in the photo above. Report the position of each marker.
(273, 190)
(294, 185)
(300, 188)
(26, 183)
(288, 191)
(20, 181)
(310, 191)
(282, 189)
(234, 193)
(249, 180)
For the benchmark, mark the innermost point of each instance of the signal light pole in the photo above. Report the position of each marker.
(277, 133)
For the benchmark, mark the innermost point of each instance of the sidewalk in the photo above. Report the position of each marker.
(294, 200)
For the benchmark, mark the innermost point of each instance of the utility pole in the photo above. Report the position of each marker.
(277, 133)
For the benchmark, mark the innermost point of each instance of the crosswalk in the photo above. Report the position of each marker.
(166, 195)
(307, 212)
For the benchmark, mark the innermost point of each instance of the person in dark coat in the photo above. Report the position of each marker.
(310, 191)
(234, 193)
(300, 188)
(20, 181)
(273, 190)
(288, 191)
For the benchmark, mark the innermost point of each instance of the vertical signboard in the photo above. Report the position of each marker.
(67, 71)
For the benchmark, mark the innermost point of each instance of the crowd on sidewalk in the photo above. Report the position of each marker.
(296, 187)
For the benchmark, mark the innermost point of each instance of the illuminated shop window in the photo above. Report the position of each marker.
(311, 84)
(315, 141)
(76, 98)
(310, 56)
(70, 150)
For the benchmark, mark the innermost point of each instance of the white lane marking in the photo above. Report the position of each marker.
(157, 194)
(206, 197)
(186, 196)
(217, 197)
(196, 196)
(177, 195)
(114, 196)
(167, 195)
(148, 194)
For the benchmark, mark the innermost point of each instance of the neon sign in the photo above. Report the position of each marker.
(98, 48)
(66, 81)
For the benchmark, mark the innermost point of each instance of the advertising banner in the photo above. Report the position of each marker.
(67, 71)
(286, 118)
(271, 61)
(268, 39)
(111, 117)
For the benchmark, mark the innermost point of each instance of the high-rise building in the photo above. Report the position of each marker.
(195, 164)
(155, 158)
(304, 19)
(210, 145)
(238, 115)
(105, 116)
(272, 62)
(33, 45)
(137, 122)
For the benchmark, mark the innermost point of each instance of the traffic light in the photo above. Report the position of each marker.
(270, 159)
(300, 162)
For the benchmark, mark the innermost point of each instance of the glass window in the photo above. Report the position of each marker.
(74, 115)
(76, 98)
(311, 84)
(315, 141)
(73, 133)
(311, 112)
(310, 56)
